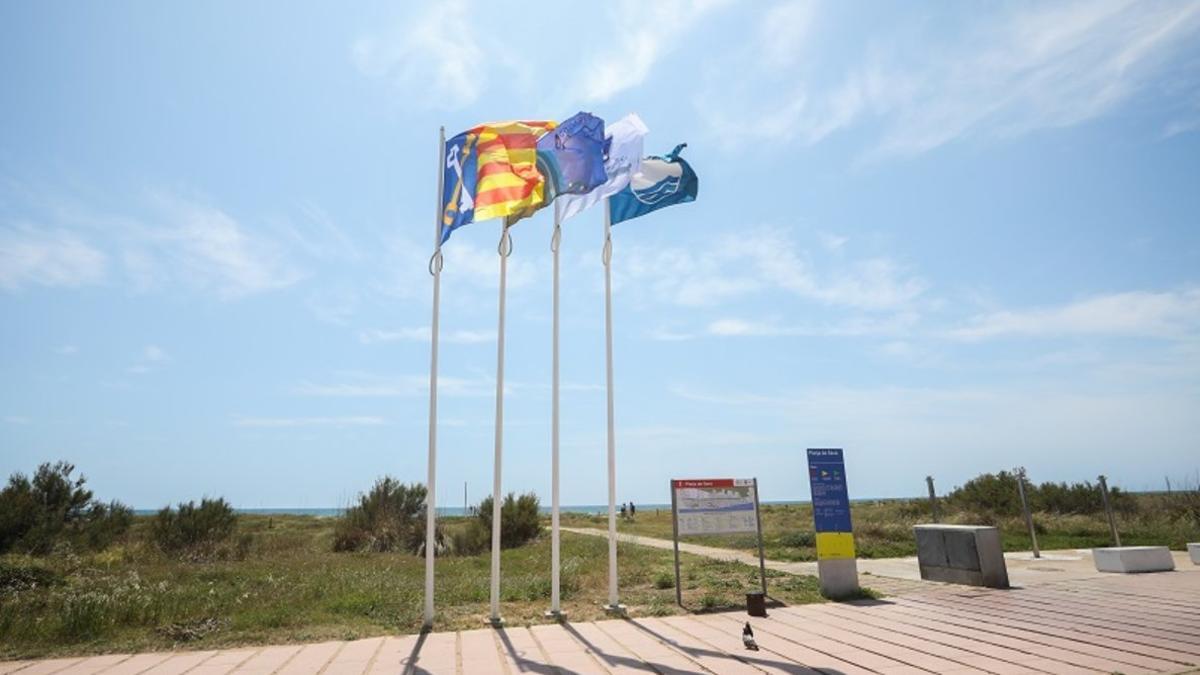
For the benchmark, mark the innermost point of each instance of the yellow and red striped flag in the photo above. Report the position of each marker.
(508, 180)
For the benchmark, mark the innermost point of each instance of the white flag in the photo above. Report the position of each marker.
(624, 160)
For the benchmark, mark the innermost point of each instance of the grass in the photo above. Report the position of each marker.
(291, 587)
(883, 529)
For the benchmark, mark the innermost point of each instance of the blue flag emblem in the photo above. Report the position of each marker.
(460, 164)
(661, 181)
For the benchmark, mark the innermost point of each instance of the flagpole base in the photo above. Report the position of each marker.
(618, 609)
(557, 615)
(495, 621)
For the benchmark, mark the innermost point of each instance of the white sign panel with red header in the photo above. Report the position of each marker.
(715, 506)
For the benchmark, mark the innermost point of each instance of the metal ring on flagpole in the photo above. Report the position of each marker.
(606, 255)
(555, 239)
(506, 246)
(435, 262)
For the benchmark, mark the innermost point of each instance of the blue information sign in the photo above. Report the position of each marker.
(827, 478)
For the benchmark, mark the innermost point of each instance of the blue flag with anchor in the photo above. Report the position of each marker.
(661, 181)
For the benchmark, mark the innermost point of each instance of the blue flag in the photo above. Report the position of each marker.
(661, 181)
(460, 169)
(571, 159)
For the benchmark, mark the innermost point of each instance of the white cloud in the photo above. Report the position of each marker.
(784, 30)
(1168, 315)
(643, 33)
(423, 333)
(435, 57)
(48, 257)
(16, 420)
(155, 354)
(365, 385)
(1035, 67)
(729, 267)
(285, 422)
(67, 350)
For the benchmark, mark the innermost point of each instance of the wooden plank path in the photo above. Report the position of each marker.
(1147, 623)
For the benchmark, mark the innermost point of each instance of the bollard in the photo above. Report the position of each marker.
(933, 502)
(1020, 471)
(1112, 523)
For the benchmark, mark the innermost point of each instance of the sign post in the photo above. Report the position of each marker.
(836, 564)
(715, 506)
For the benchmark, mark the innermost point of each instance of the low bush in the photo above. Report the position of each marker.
(55, 509)
(470, 539)
(390, 517)
(997, 494)
(519, 519)
(197, 531)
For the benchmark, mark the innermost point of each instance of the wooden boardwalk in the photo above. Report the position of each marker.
(1129, 624)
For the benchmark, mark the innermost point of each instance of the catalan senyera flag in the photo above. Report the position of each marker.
(507, 177)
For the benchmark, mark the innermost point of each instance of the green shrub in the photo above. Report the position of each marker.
(196, 531)
(23, 578)
(994, 493)
(664, 580)
(997, 494)
(55, 509)
(798, 539)
(390, 517)
(519, 519)
(471, 539)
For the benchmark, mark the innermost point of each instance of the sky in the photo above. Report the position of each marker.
(950, 239)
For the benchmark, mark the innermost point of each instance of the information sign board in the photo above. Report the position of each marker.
(715, 506)
(831, 503)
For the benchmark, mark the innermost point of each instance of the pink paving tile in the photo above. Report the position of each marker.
(696, 649)
(565, 651)
(268, 660)
(438, 653)
(180, 663)
(224, 662)
(7, 667)
(393, 654)
(520, 651)
(781, 639)
(616, 658)
(730, 640)
(138, 664)
(50, 666)
(354, 658)
(94, 664)
(311, 659)
(661, 656)
(479, 653)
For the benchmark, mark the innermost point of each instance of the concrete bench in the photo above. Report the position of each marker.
(1194, 552)
(1132, 559)
(961, 554)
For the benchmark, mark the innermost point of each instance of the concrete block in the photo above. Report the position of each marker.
(839, 577)
(1194, 552)
(1132, 559)
(961, 554)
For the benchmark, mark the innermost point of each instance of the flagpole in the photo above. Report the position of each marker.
(555, 579)
(504, 249)
(435, 268)
(613, 604)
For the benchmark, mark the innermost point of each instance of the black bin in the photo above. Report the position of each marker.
(756, 604)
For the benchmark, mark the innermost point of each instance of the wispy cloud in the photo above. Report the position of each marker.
(436, 53)
(366, 385)
(1031, 67)
(48, 257)
(423, 333)
(67, 350)
(642, 34)
(286, 422)
(764, 259)
(1168, 315)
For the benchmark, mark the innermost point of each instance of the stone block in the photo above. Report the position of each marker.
(961, 554)
(1194, 552)
(1132, 559)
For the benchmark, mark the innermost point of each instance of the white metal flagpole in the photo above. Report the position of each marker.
(504, 249)
(613, 604)
(555, 579)
(435, 268)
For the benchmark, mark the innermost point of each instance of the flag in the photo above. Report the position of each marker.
(490, 171)
(458, 183)
(508, 177)
(570, 159)
(661, 181)
(622, 156)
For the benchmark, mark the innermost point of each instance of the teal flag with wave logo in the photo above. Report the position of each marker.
(660, 182)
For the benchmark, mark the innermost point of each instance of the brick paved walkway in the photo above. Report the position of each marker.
(1146, 623)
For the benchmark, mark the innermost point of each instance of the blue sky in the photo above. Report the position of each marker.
(948, 238)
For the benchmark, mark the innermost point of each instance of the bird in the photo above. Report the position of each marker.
(748, 638)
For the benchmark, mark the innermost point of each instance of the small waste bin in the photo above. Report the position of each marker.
(756, 604)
